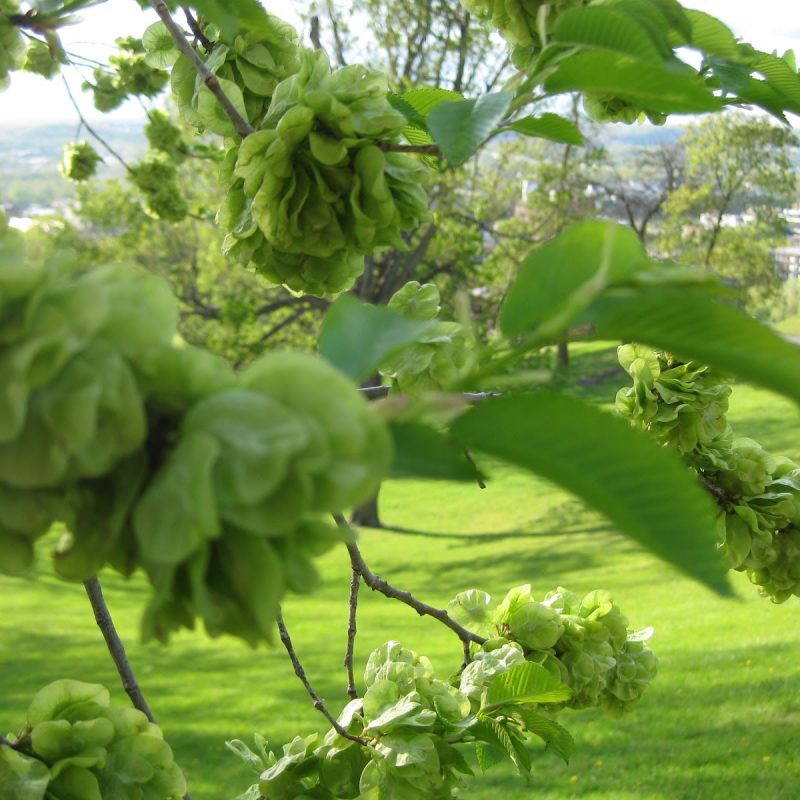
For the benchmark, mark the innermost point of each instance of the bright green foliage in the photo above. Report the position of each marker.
(415, 730)
(253, 63)
(79, 162)
(158, 456)
(584, 642)
(684, 405)
(130, 74)
(224, 527)
(311, 191)
(518, 20)
(441, 354)
(164, 136)
(12, 44)
(77, 746)
(157, 178)
(41, 60)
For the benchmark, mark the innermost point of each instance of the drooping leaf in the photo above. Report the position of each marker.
(487, 756)
(357, 337)
(556, 737)
(461, 127)
(549, 126)
(424, 452)
(561, 278)
(643, 489)
(656, 87)
(525, 683)
(496, 734)
(694, 325)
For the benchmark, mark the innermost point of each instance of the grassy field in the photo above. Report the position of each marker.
(722, 720)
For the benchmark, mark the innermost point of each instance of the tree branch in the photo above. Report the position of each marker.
(355, 585)
(243, 127)
(196, 30)
(103, 619)
(378, 584)
(89, 128)
(301, 673)
(397, 147)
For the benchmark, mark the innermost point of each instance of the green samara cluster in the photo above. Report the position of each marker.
(129, 73)
(156, 456)
(76, 745)
(584, 642)
(441, 355)
(79, 161)
(311, 191)
(520, 22)
(684, 405)
(412, 732)
(12, 44)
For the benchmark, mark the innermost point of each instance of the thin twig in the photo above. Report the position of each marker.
(720, 495)
(301, 673)
(422, 149)
(243, 127)
(90, 129)
(103, 619)
(196, 30)
(378, 584)
(471, 460)
(355, 585)
(378, 392)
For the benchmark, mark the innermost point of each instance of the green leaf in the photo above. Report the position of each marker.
(424, 452)
(424, 100)
(496, 734)
(557, 281)
(213, 115)
(232, 16)
(556, 737)
(461, 127)
(662, 88)
(605, 28)
(694, 325)
(21, 777)
(357, 337)
(488, 756)
(549, 126)
(711, 36)
(779, 75)
(646, 491)
(160, 47)
(525, 683)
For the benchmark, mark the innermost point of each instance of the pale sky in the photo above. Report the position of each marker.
(767, 24)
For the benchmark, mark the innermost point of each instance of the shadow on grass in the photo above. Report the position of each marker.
(498, 536)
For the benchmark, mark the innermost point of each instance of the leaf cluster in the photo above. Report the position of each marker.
(157, 456)
(76, 744)
(684, 406)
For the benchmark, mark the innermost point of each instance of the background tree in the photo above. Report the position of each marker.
(736, 164)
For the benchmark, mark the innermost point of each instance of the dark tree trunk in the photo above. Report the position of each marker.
(367, 515)
(562, 355)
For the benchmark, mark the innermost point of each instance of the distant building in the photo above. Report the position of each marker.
(787, 262)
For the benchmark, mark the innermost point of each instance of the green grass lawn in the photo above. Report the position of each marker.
(722, 720)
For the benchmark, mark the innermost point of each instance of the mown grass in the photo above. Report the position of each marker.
(722, 720)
